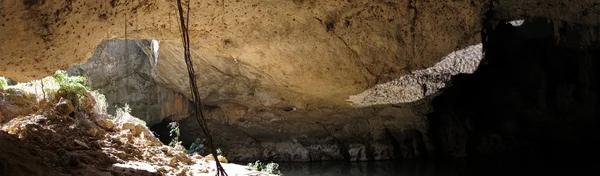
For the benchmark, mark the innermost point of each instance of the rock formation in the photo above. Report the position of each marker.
(276, 75)
(122, 71)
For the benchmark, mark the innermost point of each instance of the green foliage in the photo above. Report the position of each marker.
(71, 87)
(256, 166)
(174, 132)
(70, 83)
(3, 83)
(196, 146)
(271, 168)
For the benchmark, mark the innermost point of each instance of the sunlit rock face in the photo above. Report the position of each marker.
(122, 71)
(246, 120)
(307, 52)
(372, 130)
(421, 83)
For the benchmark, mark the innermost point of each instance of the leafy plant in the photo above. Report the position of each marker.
(3, 83)
(257, 165)
(271, 168)
(71, 87)
(196, 146)
(174, 132)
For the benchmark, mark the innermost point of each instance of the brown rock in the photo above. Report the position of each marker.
(209, 157)
(15, 103)
(94, 131)
(139, 129)
(196, 156)
(64, 107)
(128, 126)
(222, 159)
(20, 98)
(88, 102)
(105, 123)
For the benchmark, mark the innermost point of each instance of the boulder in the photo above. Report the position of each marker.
(64, 107)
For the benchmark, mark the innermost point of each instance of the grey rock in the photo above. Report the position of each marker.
(121, 70)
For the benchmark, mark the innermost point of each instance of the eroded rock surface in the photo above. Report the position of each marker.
(421, 83)
(276, 73)
(122, 71)
(374, 133)
(320, 50)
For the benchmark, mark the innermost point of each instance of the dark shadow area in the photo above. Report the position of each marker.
(48, 153)
(532, 103)
(457, 167)
(162, 131)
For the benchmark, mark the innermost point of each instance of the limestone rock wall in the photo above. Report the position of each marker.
(319, 49)
(122, 71)
(283, 67)
(351, 134)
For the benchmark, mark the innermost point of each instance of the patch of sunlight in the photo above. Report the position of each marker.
(516, 22)
(421, 83)
(155, 46)
(132, 165)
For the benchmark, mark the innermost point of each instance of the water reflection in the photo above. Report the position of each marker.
(455, 167)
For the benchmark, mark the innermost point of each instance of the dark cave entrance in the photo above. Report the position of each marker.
(534, 98)
(162, 131)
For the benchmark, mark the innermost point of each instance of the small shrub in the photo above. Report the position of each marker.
(3, 83)
(196, 146)
(71, 87)
(174, 133)
(257, 165)
(271, 168)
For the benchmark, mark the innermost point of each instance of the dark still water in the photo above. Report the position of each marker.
(375, 168)
(419, 168)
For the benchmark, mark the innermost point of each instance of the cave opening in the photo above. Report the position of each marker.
(529, 102)
(379, 88)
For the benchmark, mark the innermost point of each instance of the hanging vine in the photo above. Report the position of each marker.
(198, 106)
